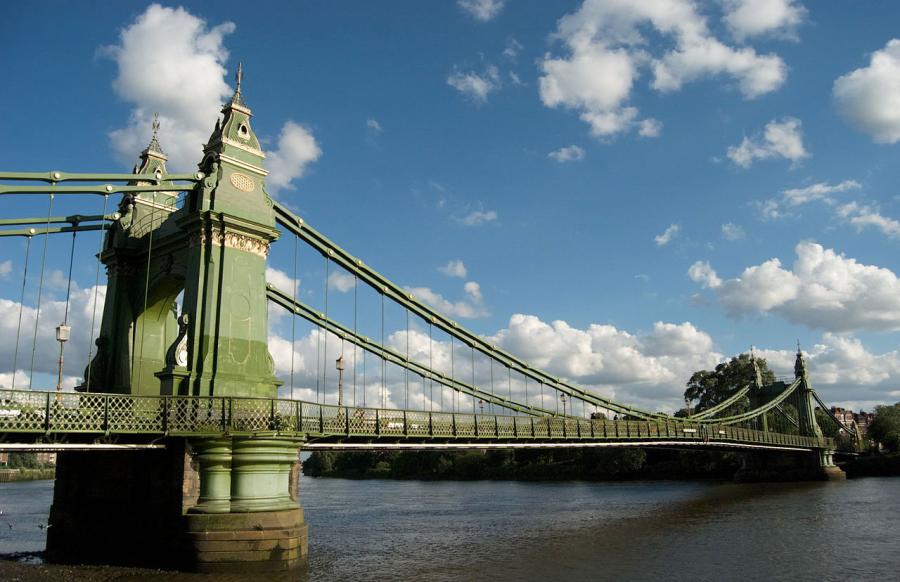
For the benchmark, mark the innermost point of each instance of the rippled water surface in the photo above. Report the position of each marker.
(389, 530)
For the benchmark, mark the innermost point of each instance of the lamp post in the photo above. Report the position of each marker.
(563, 399)
(62, 336)
(339, 364)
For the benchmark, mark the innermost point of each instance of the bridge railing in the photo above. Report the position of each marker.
(67, 413)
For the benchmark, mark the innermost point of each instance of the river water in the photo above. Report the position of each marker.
(489, 530)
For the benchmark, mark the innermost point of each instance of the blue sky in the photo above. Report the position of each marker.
(546, 146)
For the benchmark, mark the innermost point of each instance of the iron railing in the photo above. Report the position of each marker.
(65, 413)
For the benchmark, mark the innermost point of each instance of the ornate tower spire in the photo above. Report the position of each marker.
(233, 136)
(757, 373)
(237, 99)
(153, 158)
(799, 363)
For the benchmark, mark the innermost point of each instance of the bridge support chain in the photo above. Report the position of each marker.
(769, 466)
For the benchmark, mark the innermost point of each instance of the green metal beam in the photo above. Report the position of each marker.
(751, 414)
(103, 190)
(789, 418)
(722, 405)
(74, 219)
(285, 300)
(52, 230)
(383, 285)
(55, 176)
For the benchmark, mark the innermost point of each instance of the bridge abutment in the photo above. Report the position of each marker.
(190, 506)
(762, 466)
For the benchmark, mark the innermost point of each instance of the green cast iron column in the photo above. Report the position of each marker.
(215, 459)
(260, 474)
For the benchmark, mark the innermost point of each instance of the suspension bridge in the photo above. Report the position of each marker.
(179, 418)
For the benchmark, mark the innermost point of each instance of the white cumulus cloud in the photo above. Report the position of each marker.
(281, 280)
(478, 217)
(297, 148)
(733, 232)
(471, 307)
(701, 272)
(746, 18)
(780, 139)
(667, 235)
(476, 86)
(454, 268)
(608, 48)
(373, 126)
(869, 97)
(571, 153)
(341, 281)
(481, 10)
(823, 289)
(820, 191)
(172, 63)
(862, 216)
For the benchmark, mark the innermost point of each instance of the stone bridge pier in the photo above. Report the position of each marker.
(207, 505)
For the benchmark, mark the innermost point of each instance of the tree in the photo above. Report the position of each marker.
(885, 428)
(319, 464)
(712, 387)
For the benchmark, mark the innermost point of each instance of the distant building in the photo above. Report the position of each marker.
(861, 420)
(46, 459)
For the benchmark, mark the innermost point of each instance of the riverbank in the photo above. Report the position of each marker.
(887, 465)
(12, 475)
(526, 465)
(35, 571)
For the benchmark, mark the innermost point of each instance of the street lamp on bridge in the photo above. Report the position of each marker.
(63, 332)
(339, 364)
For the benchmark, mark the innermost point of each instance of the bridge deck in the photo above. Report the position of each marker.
(63, 417)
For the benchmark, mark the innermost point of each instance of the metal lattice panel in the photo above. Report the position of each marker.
(24, 411)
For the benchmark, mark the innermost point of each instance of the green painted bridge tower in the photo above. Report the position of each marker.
(231, 502)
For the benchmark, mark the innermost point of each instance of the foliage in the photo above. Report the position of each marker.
(827, 424)
(524, 464)
(319, 464)
(885, 428)
(22, 460)
(712, 387)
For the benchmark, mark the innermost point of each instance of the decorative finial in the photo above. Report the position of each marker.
(800, 364)
(154, 146)
(239, 76)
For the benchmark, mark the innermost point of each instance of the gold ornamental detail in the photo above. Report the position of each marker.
(233, 240)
